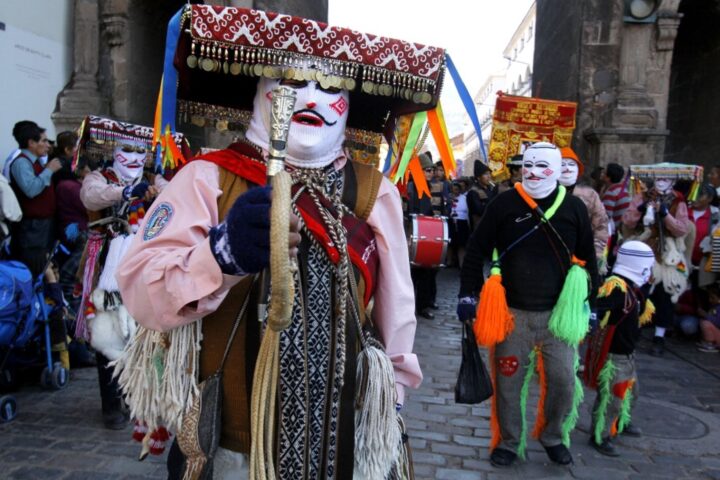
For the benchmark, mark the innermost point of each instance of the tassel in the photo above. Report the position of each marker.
(377, 436)
(611, 284)
(493, 321)
(496, 437)
(523, 404)
(578, 394)
(648, 313)
(570, 318)
(139, 431)
(604, 379)
(624, 417)
(540, 420)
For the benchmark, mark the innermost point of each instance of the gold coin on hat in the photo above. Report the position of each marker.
(350, 84)
(367, 87)
(226, 67)
(257, 69)
(235, 68)
(416, 97)
(308, 75)
(426, 97)
(325, 82)
(192, 61)
(207, 64)
(289, 73)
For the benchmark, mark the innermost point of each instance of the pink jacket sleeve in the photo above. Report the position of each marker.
(96, 193)
(394, 310)
(678, 225)
(632, 215)
(171, 277)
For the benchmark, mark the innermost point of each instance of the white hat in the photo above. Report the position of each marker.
(635, 261)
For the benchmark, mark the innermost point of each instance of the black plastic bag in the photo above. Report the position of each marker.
(473, 384)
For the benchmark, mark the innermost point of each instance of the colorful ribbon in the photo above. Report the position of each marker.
(467, 102)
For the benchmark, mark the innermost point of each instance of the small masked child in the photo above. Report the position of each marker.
(610, 362)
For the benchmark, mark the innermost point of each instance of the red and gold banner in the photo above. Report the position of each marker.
(523, 119)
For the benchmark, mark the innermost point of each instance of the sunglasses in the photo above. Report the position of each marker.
(133, 148)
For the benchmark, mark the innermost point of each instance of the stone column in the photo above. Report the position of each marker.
(82, 95)
(115, 32)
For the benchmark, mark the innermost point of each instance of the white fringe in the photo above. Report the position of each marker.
(377, 433)
(116, 251)
(158, 374)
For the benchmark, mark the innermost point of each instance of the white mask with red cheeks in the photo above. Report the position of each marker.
(569, 174)
(129, 159)
(542, 166)
(663, 185)
(317, 131)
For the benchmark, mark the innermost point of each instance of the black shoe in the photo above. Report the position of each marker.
(658, 347)
(427, 314)
(606, 447)
(632, 431)
(559, 454)
(116, 420)
(502, 458)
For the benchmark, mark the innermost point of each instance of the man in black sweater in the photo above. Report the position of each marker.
(535, 258)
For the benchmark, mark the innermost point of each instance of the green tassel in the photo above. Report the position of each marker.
(578, 395)
(604, 380)
(570, 318)
(624, 417)
(523, 403)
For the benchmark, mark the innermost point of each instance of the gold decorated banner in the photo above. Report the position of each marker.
(523, 119)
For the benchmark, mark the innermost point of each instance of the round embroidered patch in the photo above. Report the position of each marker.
(158, 220)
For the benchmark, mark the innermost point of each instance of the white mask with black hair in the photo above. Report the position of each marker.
(317, 131)
(129, 159)
(542, 166)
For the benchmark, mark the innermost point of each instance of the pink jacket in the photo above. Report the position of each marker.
(677, 225)
(173, 278)
(97, 194)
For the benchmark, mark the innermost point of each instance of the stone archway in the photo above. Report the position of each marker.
(694, 98)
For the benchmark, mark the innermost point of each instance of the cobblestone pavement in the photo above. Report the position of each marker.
(59, 435)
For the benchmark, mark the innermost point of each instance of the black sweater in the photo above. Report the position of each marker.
(625, 313)
(533, 271)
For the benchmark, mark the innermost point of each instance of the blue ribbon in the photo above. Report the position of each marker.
(170, 74)
(467, 102)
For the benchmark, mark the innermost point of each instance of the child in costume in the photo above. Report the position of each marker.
(610, 363)
(538, 237)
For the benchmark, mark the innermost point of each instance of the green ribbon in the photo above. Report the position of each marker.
(412, 140)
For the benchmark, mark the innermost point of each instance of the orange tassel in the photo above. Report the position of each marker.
(493, 320)
(495, 437)
(540, 421)
(614, 428)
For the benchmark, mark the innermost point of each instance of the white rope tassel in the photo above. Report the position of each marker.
(158, 372)
(377, 436)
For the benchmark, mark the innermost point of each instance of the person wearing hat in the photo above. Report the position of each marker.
(610, 367)
(514, 166)
(425, 279)
(572, 171)
(206, 239)
(660, 218)
(480, 194)
(537, 237)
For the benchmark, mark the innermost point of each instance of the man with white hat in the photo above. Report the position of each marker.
(537, 234)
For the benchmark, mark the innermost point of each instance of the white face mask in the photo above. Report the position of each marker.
(663, 185)
(570, 172)
(541, 169)
(317, 131)
(129, 160)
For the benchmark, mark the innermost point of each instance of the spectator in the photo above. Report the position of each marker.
(597, 176)
(710, 323)
(459, 225)
(514, 166)
(33, 235)
(440, 191)
(14, 154)
(480, 194)
(714, 179)
(615, 197)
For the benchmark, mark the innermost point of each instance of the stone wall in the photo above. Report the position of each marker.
(695, 87)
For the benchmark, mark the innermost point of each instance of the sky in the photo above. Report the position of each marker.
(474, 32)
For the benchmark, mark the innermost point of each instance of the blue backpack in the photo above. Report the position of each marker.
(17, 306)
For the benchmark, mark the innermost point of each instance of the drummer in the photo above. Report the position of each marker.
(424, 279)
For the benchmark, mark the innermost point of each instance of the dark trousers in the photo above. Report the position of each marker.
(424, 281)
(664, 308)
(109, 389)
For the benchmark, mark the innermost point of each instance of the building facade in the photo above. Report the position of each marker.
(515, 78)
(644, 75)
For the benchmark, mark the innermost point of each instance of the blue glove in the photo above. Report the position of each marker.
(72, 231)
(466, 309)
(241, 244)
(663, 210)
(138, 191)
(398, 407)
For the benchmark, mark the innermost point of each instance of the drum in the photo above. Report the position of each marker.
(428, 241)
